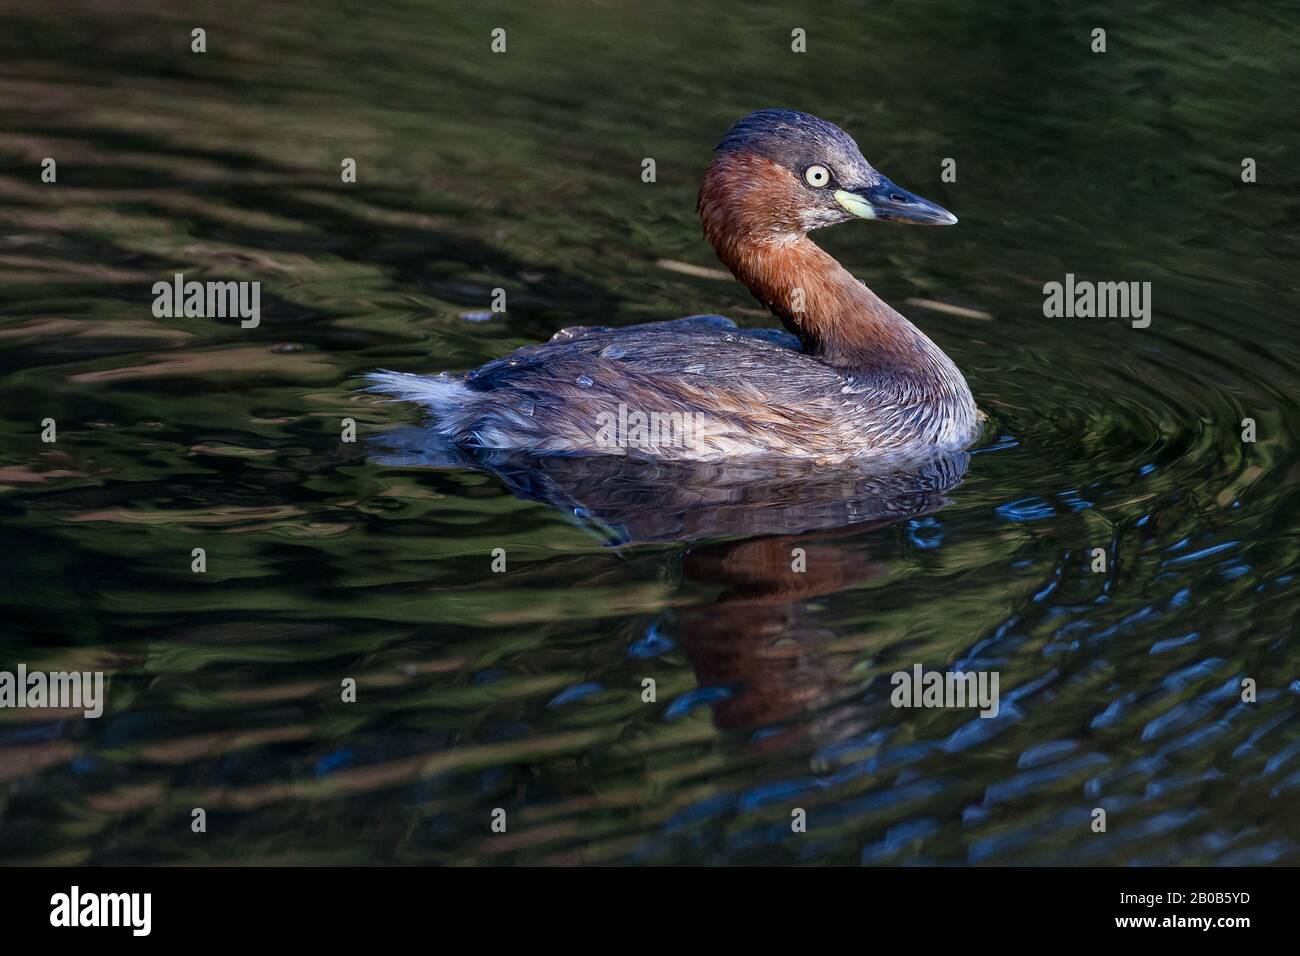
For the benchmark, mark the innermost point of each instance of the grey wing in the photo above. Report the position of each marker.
(691, 323)
(750, 394)
(746, 391)
(691, 353)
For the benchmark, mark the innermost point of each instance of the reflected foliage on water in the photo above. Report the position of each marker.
(523, 689)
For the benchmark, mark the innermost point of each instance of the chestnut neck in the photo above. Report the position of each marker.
(748, 205)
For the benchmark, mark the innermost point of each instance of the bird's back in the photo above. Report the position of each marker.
(692, 389)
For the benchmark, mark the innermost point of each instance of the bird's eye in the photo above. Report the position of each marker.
(817, 176)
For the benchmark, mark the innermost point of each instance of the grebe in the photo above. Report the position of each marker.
(852, 380)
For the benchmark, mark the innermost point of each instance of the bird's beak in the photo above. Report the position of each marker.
(887, 201)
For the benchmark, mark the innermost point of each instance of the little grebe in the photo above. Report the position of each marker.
(855, 380)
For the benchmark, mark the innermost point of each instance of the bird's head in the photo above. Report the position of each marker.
(781, 173)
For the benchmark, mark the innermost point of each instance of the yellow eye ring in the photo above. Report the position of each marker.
(817, 176)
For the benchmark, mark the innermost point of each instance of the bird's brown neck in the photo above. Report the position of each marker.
(750, 221)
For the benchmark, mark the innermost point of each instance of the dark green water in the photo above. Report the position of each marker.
(522, 691)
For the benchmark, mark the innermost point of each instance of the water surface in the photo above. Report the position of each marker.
(523, 690)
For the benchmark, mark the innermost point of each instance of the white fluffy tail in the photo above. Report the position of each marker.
(441, 395)
(462, 415)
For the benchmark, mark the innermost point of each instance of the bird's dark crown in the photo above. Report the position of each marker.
(797, 140)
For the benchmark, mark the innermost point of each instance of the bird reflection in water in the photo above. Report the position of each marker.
(766, 538)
